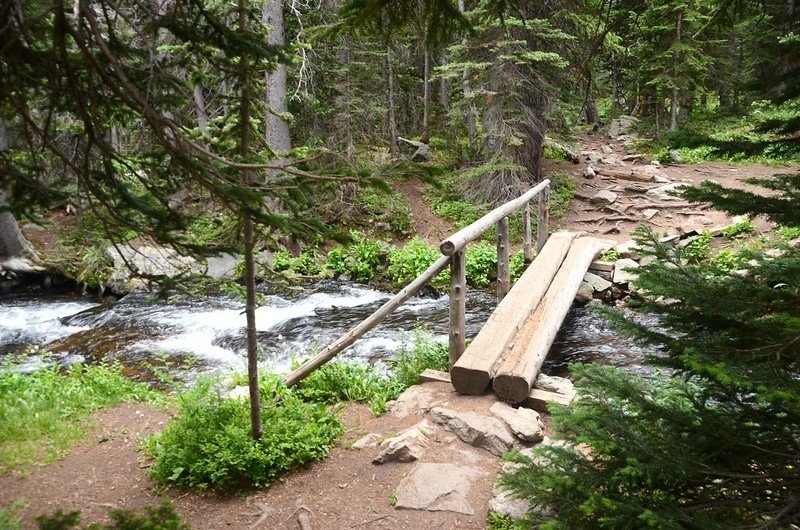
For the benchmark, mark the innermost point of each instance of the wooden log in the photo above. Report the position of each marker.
(458, 305)
(527, 242)
(569, 154)
(630, 174)
(330, 351)
(519, 368)
(473, 231)
(542, 226)
(473, 371)
(503, 260)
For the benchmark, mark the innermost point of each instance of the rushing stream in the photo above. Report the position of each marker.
(207, 335)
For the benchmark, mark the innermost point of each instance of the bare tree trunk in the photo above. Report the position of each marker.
(444, 88)
(344, 131)
(426, 98)
(200, 106)
(390, 104)
(12, 241)
(673, 111)
(472, 129)
(249, 243)
(277, 133)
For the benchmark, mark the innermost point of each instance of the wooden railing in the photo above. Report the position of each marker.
(453, 253)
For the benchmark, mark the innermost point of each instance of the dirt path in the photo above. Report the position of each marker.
(346, 490)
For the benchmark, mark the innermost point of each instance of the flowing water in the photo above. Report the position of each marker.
(191, 337)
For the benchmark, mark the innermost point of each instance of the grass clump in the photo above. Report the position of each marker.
(162, 517)
(45, 412)
(209, 444)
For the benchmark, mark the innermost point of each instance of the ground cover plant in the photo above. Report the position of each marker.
(162, 517)
(45, 412)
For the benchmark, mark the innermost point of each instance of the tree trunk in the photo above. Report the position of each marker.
(673, 110)
(277, 129)
(426, 98)
(472, 129)
(200, 106)
(444, 88)
(249, 242)
(12, 242)
(390, 104)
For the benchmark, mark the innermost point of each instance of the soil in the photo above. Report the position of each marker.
(345, 490)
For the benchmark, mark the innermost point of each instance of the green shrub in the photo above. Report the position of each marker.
(698, 249)
(787, 233)
(215, 228)
(425, 352)
(611, 254)
(742, 225)
(348, 381)
(517, 265)
(45, 412)
(481, 264)
(10, 518)
(384, 207)
(162, 517)
(305, 265)
(362, 260)
(406, 263)
(209, 443)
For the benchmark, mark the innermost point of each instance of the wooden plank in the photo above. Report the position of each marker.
(517, 371)
(330, 351)
(458, 305)
(503, 260)
(473, 231)
(473, 371)
(434, 376)
(543, 221)
(540, 399)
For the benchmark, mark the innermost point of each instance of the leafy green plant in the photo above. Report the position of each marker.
(742, 225)
(611, 254)
(162, 517)
(362, 260)
(215, 228)
(348, 381)
(698, 249)
(408, 262)
(517, 265)
(787, 233)
(481, 264)
(423, 353)
(390, 208)
(306, 265)
(209, 444)
(45, 412)
(10, 518)
(496, 521)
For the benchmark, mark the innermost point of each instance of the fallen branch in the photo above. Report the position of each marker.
(625, 175)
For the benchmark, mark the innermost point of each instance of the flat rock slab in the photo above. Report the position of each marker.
(416, 399)
(438, 487)
(625, 271)
(483, 432)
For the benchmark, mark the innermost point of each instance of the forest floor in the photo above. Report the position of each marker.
(346, 490)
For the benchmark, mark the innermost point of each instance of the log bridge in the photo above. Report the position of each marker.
(511, 347)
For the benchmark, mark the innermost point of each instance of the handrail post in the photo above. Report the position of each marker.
(527, 243)
(458, 306)
(503, 259)
(543, 218)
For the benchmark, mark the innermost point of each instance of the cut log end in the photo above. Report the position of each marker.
(447, 248)
(469, 382)
(510, 388)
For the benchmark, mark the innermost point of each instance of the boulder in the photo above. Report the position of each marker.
(551, 383)
(481, 431)
(666, 192)
(597, 283)
(629, 249)
(624, 271)
(604, 197)
(607, 149)
(438, 487)
(222, 267)
(413, 150)
(148, 261)
(504, 504)
(676, 156)
(370, 440)
(585, 293)
(407, 446)
(526, 424)
(416, 399)
(621, 126)
(589, 172)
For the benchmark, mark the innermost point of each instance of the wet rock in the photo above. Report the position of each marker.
(415, 400)
(370, 440)
(624, 271)
(438, 487)
(526, 424)
(21, 265)
(481, 431)
(148, 261)
(407, 446)
(551, 383)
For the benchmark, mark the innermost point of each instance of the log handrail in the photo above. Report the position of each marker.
(472, 232)
(454, 255)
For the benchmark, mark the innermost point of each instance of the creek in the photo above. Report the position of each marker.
(189, 337)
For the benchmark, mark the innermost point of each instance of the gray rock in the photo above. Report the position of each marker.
(222, 267)
(415, 151)
(21, 265)
(585, 293)
(481, 431)
(239, 393)
(370, 440)
(659, 179)
(629, 249)
(612, 160)
(551, 383)
(415, 400)
(665, 192)
(504, 504)
(624, 271)
(438, 487)
(676, 156)
(526, 424)
(621, 126)
(607, 149)
(649, 213)
(148, 261)
(652, 170)
(589, 172)
(407, 446)
(604, 197)
(597, 283)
